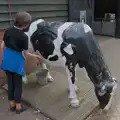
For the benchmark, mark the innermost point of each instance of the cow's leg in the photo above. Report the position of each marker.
(70, 69)
(49, 77)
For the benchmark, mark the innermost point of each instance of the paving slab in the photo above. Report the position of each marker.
(5, 114)
(52, 99)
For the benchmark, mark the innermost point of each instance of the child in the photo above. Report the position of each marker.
(13, 62)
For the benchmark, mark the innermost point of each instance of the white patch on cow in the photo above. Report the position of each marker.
(32, 29)
(30, 47)
(69, 49)
(58, 41)
(87, 28)
(33, 26)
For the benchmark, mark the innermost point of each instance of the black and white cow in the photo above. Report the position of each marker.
(75, 43)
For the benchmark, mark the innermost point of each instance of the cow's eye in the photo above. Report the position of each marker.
(37, 41)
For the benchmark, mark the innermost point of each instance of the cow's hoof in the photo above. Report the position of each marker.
(50, 79)
(74, 103)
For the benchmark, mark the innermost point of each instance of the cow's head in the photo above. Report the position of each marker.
(105, 88)
(42, 40)
(101, 77)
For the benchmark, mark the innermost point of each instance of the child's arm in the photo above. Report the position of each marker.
(27, 53)
(2, 45)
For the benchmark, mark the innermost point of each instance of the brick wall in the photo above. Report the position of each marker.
(2, 74)
(1, 35)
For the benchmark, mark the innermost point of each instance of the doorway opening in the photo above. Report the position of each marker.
(105, 9)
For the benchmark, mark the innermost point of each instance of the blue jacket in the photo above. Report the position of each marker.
(13, 61)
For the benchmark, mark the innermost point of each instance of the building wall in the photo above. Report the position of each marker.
(75, 6)
(51, 10)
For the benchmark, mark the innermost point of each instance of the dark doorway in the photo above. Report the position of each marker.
(118, 19)
(105, 15)
(104, 6)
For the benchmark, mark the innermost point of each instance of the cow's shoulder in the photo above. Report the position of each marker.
(75, 31)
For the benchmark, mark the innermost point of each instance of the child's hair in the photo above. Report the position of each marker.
(22, 19)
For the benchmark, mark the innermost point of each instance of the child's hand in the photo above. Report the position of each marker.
(39, 58)
(2, 44)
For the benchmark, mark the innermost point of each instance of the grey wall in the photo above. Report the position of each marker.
(75, 6)
(118, 20)
(51, 10)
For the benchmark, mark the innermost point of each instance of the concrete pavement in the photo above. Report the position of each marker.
(29, 114)
(52, 99)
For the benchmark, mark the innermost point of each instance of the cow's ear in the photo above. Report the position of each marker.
(51, 34)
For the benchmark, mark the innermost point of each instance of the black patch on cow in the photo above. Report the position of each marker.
(54, 58)
(71, 67)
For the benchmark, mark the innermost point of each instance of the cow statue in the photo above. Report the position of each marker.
(75, 43)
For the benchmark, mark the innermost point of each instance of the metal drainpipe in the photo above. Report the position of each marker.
(10, 13)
